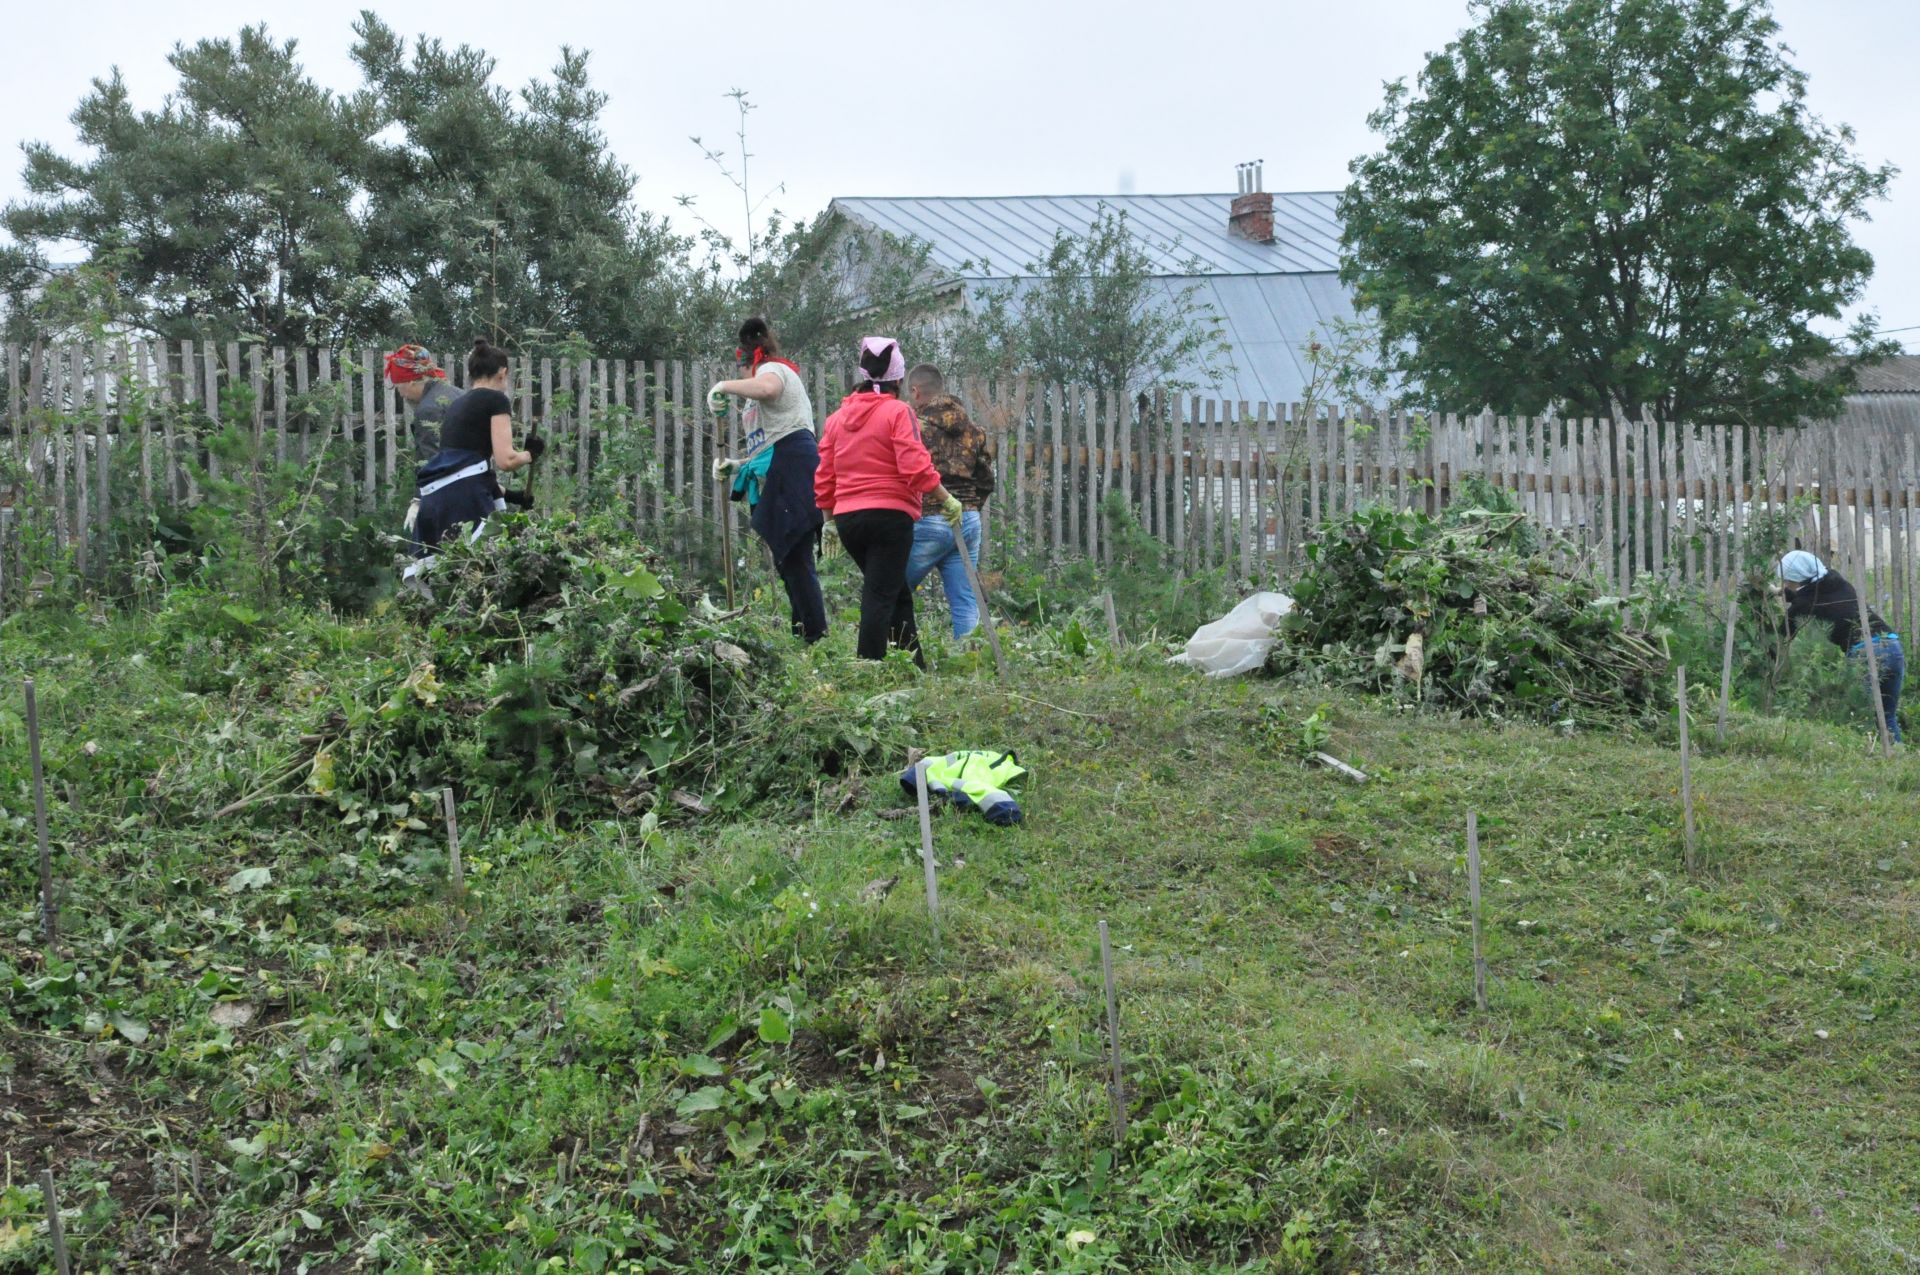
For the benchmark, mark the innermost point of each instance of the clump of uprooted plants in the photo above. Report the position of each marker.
(1471, 611)
(558, 666)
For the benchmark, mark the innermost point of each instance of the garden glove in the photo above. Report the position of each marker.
(954, 512)
(724, 465)
(717, 400)
(536, 446)
(830, 545)
(519, 499)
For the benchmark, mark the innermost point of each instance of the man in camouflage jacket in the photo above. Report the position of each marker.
(963, 454)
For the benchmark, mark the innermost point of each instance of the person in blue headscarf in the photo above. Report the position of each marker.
(1815, 592)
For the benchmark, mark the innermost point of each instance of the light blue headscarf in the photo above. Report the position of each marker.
(1801, 567)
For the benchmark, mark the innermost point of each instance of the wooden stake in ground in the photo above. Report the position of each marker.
(1726, 668)
(926, 851)
(1117, 1087)
(49, 910)
(56, 1233)
(723, 501)
(456, 874)
(1473, 905)
(1686, 766)
(1873, 671)
(1113, 620)
(986, 616)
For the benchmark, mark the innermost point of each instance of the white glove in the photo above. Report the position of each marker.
(717, 400)
(724, 465)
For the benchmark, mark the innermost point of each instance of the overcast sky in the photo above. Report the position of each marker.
(987, 97)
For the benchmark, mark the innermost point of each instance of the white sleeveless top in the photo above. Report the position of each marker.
(766, 423)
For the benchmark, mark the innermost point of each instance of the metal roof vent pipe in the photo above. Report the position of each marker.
(1251, 217)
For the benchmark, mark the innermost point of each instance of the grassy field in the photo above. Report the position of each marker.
(272, 1040)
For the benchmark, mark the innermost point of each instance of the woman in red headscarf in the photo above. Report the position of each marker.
(422, 384)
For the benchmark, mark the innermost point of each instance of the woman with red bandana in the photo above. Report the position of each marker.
(774, 475)
(422, 384)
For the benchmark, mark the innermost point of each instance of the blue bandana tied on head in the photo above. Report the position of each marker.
(1801, 567)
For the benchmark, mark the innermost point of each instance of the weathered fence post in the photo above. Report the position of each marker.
(49, 910)
(1686, 768)
(1113, 620)
(1726, 667)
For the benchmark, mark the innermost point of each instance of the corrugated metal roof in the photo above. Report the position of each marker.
(1000, 238)
(1274, 298)
(1897, 375)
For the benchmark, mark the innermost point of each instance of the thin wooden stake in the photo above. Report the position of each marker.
(1117, 1087)
(1873, 669)
(986, 616)
(1113, 620)
(1686, 769)
(1473, 902)
(926, 851)
(723, 502)
(55, 1231)
(1726, 663)
(49, 910)
(455, 872)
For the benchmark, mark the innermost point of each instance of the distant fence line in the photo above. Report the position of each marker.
(1234, 486)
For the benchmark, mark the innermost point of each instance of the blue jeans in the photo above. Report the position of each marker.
(933, 546)
(1893, 671)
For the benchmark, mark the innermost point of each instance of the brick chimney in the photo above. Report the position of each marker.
(1251, 217)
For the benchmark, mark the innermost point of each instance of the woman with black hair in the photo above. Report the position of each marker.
(458, 486)
(774, 472)
(874, 471)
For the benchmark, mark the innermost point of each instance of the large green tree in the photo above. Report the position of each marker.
(228, 211)
(1610, 204)
(428, 204)
(487, 214)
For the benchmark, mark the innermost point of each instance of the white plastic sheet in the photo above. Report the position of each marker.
(1237, 642)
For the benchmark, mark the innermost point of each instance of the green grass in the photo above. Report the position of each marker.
(705, 1047)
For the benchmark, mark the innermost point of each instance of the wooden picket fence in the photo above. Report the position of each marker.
(95, 431)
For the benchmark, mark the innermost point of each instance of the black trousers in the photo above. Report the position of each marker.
(468, 501)
(880, 541)
(808, 606)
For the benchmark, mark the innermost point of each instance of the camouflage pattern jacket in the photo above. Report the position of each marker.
(961, 450)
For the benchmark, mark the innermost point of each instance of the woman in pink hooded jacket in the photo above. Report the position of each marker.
(873, 471)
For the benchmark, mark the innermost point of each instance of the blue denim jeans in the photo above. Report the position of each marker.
(933, 546)
(1893, 671)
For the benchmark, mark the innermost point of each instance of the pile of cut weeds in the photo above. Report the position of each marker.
(1471, 612)
(560, 667)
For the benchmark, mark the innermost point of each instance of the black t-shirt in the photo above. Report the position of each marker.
(1833, 599)
(469, 422)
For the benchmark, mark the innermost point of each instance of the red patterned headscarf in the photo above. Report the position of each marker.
(412, 363)
(760, 356)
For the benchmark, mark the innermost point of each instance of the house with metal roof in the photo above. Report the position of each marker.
(1265, 262)
(1885, 397)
